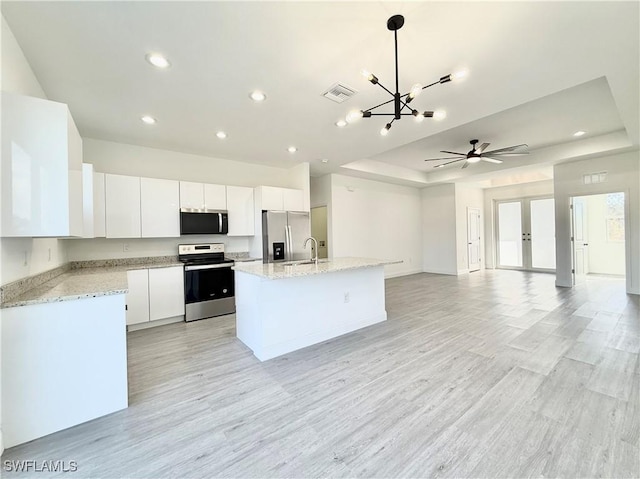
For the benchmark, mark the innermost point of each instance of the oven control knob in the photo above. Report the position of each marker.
(224, 290)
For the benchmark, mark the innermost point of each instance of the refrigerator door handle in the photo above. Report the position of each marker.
(290, 243)
(287, 250)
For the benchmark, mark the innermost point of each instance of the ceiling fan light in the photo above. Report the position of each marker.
(385, 130)
(473, 159)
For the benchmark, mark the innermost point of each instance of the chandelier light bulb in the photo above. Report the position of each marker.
(416, 89)
(385, 130)
(221, 134)
(354, 115)
(149, 120)
(419, 117)
(366, 74)
(341, 123)
(257, 95)
(460, 75)
(440, 114)
(157, 60)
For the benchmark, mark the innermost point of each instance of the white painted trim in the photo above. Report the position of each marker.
(153, 324)
(463, 271)
(436, 271)
(402, 273)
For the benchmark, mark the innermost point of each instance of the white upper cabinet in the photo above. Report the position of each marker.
(87, 201)
(159, 208)
(41, 169)
(293, 200)
(215, 197)
(203, 196)
(122, 201)
(99, 225)
(273, 198)
(241, 211)
(191, 195)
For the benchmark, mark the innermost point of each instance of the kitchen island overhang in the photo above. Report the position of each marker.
(283, 307)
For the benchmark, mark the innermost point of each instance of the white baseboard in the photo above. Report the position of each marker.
(440, 271)
(153, 324)
(403, 273)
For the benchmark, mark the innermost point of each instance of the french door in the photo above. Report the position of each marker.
(526, 234)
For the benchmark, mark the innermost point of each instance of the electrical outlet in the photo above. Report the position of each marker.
(125, 247)
(346, 297)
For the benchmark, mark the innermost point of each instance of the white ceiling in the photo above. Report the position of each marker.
(538, 71)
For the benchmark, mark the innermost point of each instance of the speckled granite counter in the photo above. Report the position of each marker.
(88, 279)
(284, 270)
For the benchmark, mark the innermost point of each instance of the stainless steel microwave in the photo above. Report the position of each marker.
(203, 222)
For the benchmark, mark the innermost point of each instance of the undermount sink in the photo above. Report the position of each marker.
(303, 262)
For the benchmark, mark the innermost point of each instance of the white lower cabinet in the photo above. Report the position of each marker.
(138, 296)
(166, 292)
(156, 293)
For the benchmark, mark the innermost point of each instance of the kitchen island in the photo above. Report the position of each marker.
(283, 307)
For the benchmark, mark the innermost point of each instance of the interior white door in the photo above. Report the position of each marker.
(473, 238)
(510, 235)
(580, 242)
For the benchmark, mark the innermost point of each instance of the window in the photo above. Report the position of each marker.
(614, 217)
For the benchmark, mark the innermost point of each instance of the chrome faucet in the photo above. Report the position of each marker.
(314, 253)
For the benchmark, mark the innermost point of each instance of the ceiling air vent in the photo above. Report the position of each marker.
(339, 93)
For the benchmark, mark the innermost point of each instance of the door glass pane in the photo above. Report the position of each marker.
(510, 234)
(543, 234)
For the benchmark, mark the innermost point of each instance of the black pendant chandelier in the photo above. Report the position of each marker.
(400, 102)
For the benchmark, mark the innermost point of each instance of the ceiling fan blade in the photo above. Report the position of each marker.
(445, 158)
(466, 163)
(482, 147)
(490, 160)
(507, 154)
(509, 149)
(449, 162)
(453, 153)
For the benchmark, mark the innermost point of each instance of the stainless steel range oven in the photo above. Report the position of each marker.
(208, 281)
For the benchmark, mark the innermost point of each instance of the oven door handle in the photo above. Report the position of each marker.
(208, 266)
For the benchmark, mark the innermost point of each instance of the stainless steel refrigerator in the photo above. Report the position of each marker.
(288, 230)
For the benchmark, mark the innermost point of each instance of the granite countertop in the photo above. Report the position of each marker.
(106, 277)
(284, 270)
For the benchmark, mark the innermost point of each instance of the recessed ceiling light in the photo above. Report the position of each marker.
(221, 134)
(149, 120)
(158, 60)
(257, 95)
(292, 149)
(324, 160)
(341, 123)
(579, 133)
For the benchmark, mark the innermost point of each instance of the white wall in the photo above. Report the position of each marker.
(438, 222)
(376, 220)
(622, 175)
(22, 257)
(605, 257)
(491, 195)
(467, 197)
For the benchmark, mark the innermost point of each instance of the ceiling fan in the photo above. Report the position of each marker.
(478, 154)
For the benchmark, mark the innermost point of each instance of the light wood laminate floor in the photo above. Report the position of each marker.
(494, 374)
